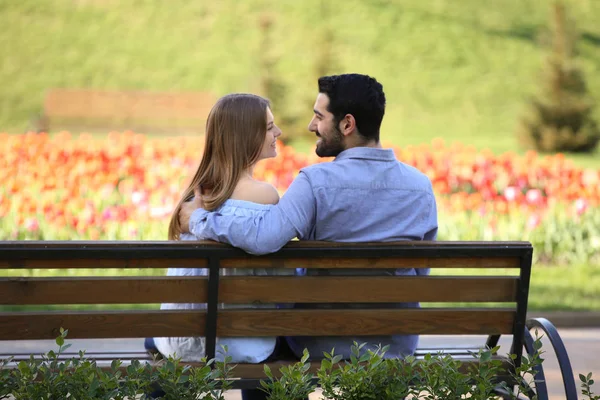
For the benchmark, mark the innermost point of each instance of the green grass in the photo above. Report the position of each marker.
(556, 288)
(457, 70)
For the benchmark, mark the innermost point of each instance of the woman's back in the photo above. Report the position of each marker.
(250, 198)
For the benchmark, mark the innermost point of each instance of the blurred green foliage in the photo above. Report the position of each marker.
(457, 70)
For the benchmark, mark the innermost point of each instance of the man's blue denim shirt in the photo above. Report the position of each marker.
(364, 195)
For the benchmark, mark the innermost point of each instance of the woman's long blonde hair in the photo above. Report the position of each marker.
(235, 134)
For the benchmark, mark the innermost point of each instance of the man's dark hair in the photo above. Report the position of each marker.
(359, 95)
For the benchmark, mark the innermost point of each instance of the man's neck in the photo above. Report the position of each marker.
(371, 144)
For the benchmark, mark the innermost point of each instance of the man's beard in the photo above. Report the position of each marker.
(330, 145)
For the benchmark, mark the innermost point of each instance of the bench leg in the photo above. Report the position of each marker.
(253, 394)
(492, 341)
(540, 389)
(561, 354)
(539, 376)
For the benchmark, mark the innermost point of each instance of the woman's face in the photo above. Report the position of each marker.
(269, 148)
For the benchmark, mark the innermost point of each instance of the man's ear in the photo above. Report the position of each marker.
(347, 124)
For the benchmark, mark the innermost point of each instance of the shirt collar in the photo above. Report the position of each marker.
(367, 153)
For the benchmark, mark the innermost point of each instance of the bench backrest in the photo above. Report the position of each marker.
(500, 301)
(135, 110)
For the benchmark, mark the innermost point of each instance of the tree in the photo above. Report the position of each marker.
(560, 118)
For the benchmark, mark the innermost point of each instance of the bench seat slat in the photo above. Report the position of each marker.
(101, 324)
(256, 371)
(367, 289)
(266, 262)
(344, 322)
(254, 289)
(103, 290)
(240, 323)
(143, 355)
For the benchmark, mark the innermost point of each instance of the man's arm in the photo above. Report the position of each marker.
(292, 217)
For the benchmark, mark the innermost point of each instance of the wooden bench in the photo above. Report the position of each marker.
(140, 111)
(500, 301)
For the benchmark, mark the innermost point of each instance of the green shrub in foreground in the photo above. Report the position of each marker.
(367, 375)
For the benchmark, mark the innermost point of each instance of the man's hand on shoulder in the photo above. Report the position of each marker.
(187, 209)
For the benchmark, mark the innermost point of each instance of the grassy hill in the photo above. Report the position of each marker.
(460, 70)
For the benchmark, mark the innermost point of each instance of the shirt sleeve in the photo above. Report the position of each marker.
(432, 221)
(292, 217)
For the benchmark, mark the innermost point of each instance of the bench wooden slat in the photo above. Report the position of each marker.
(95, 325)
(239, 323)
(105, 290)
(365, 289)
(254, 289)
(103, 263)
(145, 356)
(344, 322)
(256, 371)
(387, 262)
(266, 262)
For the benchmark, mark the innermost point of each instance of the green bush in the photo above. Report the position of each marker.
(367, 375)
(79, 378)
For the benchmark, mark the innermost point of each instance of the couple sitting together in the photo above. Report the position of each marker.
(364, 195)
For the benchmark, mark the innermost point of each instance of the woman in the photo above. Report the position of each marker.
(240, 131)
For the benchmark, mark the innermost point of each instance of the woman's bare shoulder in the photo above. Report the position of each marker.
(256, 192)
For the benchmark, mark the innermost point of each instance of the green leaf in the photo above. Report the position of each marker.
(486, 356)
(305, 356)
(268, 372)
(170, 366)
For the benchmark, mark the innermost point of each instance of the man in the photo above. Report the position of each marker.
(364, 195)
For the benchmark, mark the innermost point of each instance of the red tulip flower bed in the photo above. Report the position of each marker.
(125, 186)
